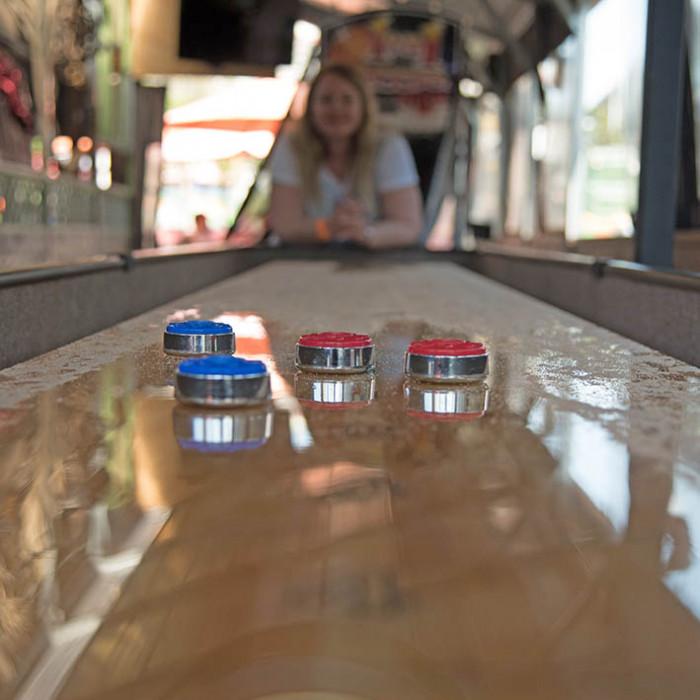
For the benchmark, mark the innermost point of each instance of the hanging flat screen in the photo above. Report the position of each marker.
(255, 32)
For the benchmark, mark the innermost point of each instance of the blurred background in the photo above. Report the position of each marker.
(128, 124)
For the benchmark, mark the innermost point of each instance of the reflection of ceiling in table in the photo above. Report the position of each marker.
(474, 15)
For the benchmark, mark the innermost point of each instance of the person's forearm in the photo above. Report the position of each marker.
(296, 231)
(391, 233)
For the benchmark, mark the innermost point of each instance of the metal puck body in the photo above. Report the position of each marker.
(214, 432)
(340, 353)
(440, 402)
(335, 392)
(198, 337)
(222, 380)
(446, 360)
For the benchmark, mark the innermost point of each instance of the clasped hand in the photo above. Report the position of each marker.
(349, 222)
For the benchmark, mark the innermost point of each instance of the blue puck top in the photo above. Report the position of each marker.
(198, 327)
(222, 365)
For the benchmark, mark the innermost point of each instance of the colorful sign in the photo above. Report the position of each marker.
(409, 62)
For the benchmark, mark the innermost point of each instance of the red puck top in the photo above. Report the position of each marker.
(335, 340)
(446, 347)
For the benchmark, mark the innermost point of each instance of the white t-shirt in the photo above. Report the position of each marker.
(394, 169)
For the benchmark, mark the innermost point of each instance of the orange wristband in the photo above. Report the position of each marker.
(321, 230)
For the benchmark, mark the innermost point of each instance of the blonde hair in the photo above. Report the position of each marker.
(310, 148)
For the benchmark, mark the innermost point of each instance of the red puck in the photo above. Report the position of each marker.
(335, 340)
(335, 352)
(446, 360)
(444, 347)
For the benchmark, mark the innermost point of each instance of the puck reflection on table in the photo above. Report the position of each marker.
(340, 353)
(334, 392)
(222, 380)
(441, 402)
(208, 431)
(446, 360)
(197, 337)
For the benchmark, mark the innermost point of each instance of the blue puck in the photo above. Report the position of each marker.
(198, 327)
(198, 337)
(222, 365)
(222, 380)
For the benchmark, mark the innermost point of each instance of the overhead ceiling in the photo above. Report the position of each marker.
(504, 37)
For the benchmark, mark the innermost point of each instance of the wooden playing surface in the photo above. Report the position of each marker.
(541, 545)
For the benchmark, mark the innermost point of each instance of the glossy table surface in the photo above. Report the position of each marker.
(540, 544)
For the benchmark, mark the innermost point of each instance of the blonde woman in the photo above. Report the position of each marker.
(335, 178)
